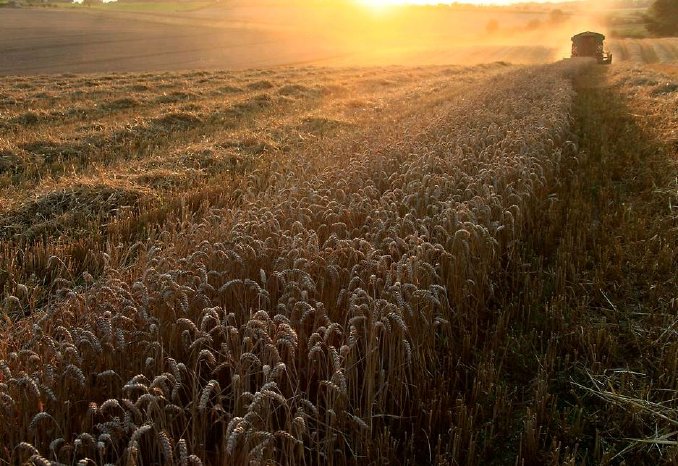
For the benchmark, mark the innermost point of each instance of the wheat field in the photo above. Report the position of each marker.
(324, 265)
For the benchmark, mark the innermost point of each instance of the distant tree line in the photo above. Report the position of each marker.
(662, 18)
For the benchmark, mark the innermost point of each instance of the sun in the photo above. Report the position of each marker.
(384, 4)
(381, 4)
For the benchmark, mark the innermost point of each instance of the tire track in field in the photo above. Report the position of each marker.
(622, 52)
(667, 51)
(646, 51)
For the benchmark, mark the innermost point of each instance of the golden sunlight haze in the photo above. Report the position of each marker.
(387, 3)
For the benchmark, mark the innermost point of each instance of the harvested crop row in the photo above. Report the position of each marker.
(75, 99)
(103, 130)
(184, 168)
(306, 325)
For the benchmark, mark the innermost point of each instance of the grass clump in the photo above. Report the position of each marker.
(262, 85)
(122, 104)
(70, 210)
(177, 120)
(174, 97)
(50, 151)
(229, 90)
(10, 161)
(27, 118)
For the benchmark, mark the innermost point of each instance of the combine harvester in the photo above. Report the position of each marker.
(590, 44)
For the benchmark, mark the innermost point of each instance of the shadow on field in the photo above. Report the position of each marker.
(590, 323)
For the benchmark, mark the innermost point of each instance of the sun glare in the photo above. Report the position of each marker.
(381, 4)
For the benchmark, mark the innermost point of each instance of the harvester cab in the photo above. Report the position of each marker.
(590, 44)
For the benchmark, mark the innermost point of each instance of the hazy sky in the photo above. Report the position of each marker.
(382, 3)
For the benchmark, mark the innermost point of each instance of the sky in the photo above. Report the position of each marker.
(384, 3)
